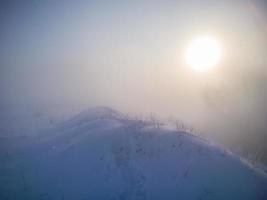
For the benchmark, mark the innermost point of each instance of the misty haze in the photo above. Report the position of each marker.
(137, 100)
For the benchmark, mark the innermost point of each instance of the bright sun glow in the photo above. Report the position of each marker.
(203, 53)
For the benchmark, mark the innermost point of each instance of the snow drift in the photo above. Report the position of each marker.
(100, 154)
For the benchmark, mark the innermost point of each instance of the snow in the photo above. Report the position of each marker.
(100, 154)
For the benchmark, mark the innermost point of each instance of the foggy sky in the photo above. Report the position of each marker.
(129, 55)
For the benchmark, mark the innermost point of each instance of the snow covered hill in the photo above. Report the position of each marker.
(100, 154)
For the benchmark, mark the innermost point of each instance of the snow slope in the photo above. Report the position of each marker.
(100, 154)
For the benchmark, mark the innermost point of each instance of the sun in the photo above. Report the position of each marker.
(203, 53)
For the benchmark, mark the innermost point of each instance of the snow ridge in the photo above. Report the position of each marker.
(100, 154)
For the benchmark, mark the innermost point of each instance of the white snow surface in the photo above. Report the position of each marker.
(100, 154)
